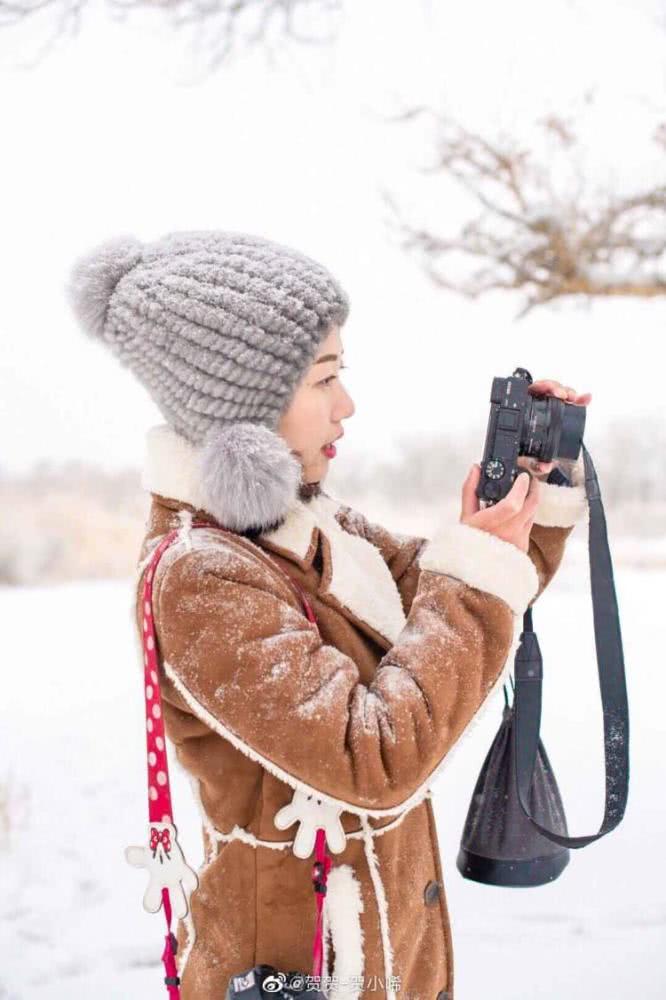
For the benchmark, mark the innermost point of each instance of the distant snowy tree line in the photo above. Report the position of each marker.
(76, 521)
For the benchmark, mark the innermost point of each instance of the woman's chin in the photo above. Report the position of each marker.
(316, 471)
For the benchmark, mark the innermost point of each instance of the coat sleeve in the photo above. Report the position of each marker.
(237, 648)
(562, 505)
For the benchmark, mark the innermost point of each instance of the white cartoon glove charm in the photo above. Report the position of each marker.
(311, 813)
(167, 869)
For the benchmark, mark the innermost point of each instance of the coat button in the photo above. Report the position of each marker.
(431, 895)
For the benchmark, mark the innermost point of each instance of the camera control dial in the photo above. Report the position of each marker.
(495, 469)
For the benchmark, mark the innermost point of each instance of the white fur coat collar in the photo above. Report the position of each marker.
(354, 572)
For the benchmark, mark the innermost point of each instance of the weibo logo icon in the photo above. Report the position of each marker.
(273, 984)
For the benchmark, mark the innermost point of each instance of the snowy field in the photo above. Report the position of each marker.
(72, 751)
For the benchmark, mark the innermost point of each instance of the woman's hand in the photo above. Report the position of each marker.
(549, 387)
(510, 519)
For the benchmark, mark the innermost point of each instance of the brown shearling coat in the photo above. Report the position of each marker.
(354, 716)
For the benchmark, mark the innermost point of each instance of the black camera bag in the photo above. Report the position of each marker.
(515, 834)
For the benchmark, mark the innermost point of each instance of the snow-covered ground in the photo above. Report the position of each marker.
(72, 753)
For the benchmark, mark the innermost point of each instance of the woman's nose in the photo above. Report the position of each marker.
(348, 407)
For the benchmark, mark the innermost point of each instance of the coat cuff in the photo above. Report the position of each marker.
(563, 506)
(483, 561)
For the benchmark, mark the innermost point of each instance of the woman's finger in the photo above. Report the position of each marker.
(528, 509)
(507, 508)
(513, 502)
(470, 501)
(548, 386)
(531, 501)
(533, 464)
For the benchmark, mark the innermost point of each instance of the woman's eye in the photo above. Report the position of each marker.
(327, 381)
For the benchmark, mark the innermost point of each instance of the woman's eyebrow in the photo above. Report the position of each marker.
(326, 357)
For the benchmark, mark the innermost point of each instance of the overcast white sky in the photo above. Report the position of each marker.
(105, 137)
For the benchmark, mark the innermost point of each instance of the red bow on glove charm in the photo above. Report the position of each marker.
(157, 836)
(163, 858)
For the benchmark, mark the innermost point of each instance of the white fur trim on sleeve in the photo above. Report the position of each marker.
(563, 506)
(483, 561)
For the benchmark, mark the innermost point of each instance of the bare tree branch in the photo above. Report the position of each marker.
(219, 27)
(526, 238)
(65, 18)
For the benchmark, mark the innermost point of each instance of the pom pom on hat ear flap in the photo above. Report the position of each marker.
(249, 477)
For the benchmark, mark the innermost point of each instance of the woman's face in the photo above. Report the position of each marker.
(317, 408)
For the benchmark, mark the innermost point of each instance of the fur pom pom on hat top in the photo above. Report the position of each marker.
(219, 327)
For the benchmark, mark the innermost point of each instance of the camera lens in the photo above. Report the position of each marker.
(552, 429)
(573, 426)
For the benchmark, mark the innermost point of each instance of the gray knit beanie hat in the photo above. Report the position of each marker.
(219, 327)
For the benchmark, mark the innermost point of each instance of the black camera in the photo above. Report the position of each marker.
(264, 981)
(522, 424)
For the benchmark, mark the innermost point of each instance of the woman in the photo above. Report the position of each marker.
(282, 727)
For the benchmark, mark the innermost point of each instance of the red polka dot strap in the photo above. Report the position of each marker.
(159, 792)
(171, 880)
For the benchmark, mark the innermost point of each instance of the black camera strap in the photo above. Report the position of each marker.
(612, 682)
